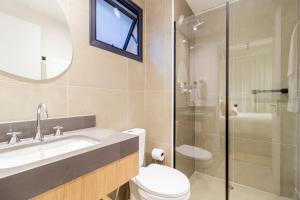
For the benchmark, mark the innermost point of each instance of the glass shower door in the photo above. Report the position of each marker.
(200, 99)
(262, 121)
(247, 63)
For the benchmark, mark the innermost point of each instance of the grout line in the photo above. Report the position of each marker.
(127, 95)
(145, 52)
(68, 99)
(28, 83)
(99, 88)
(33, 119)
(173, 90)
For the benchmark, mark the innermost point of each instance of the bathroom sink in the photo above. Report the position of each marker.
(25, 154)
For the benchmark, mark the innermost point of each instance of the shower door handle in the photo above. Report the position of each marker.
(282, 91)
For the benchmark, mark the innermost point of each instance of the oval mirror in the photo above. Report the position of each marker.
(35, 40)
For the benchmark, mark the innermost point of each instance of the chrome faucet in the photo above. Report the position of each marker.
(14, 137)
(42, 108)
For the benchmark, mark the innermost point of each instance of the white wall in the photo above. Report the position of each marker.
(54, 37)
(205, 67)
(56, 46)
(15, 57)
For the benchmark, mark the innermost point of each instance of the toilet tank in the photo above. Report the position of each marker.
(142, 137)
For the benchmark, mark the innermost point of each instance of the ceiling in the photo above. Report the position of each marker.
(199, 6)
(250, 20)
(45, 7)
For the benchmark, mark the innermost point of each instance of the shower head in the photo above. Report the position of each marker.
(195, 26)
(194, 23)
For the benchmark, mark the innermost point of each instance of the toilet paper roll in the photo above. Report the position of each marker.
(158, 154)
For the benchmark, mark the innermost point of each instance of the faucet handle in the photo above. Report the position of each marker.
(14, 137)
(58, 130)
(13, 133)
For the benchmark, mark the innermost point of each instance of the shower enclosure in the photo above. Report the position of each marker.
(236, 98)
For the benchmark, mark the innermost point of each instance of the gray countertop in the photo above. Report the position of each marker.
(27, 181)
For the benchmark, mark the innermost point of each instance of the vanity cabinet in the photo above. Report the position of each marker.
(97, 184)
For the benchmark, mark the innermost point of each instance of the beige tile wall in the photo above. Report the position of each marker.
(121, 92)
(98, 82)
(158, 79)
(297, 165)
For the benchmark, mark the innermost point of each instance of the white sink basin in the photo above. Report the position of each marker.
(21, 155)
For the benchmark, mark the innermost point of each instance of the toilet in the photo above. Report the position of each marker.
(156, 182)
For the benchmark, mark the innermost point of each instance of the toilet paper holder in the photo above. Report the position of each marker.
(158, 155)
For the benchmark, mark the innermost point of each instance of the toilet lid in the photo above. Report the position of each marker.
(163, 181)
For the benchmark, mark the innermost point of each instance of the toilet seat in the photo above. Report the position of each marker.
(163, 182)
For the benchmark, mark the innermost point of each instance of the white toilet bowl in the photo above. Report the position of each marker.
(156, 182)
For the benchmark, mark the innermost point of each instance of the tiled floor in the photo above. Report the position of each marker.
(204, 187)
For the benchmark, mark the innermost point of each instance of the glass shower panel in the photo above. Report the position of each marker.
(262, 122)
(200, 92)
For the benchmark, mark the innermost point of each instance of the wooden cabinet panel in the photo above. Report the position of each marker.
(96, 184)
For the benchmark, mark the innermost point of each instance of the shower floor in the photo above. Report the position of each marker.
(205, 187)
